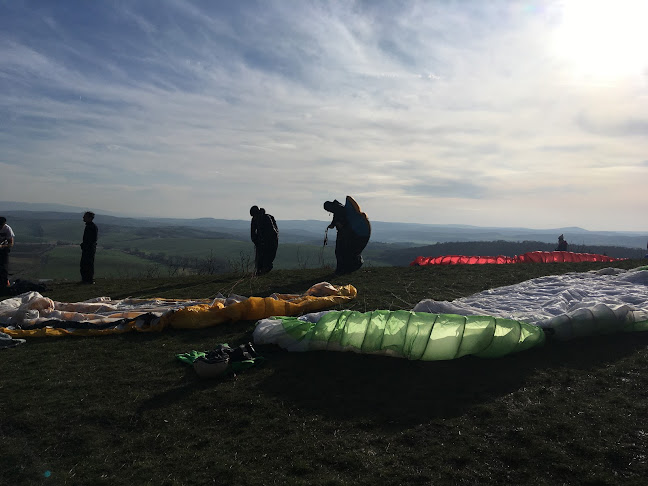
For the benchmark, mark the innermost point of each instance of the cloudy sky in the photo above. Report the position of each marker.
(529, 113)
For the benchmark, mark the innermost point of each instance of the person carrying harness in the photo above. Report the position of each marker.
(6, 243)
(265, 236)
(353, 232)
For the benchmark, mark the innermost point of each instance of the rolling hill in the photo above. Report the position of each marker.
(47, 244)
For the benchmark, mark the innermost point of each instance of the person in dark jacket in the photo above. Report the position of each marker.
(88, 248)
(265, 236)
(6, 243)
(348, 243)
(562, 244)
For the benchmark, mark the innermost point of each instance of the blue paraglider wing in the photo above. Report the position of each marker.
(357, 219)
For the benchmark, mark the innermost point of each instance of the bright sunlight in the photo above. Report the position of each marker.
(603, 40)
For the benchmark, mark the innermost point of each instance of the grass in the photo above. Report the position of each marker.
(115, 261)
(62, 262)
(121, 410)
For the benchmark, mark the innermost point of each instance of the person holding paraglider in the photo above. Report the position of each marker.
(353, 232)
(265, 236)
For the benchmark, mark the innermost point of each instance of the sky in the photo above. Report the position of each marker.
(500, 113)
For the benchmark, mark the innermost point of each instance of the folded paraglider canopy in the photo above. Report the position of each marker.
(404, 334)
(33, 315)
(530, 257)
(489, 324)
(353, 233)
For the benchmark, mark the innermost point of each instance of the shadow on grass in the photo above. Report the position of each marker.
(166, 399)
(400, 392)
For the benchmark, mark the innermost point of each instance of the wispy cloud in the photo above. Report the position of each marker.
(426, 111)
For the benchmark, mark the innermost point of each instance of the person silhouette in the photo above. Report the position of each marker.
(6, 243)
(353, 232)
(562, 244)
(88, 248)
(264, 233)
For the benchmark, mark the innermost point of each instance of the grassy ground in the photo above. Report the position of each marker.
(121, 410)
(62, 261)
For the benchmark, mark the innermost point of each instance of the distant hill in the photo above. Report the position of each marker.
(47, 243)
(12, 206)
(313, 231)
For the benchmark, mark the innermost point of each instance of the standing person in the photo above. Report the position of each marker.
(562, 244)
(265, 236)
(88, 248)
(6, 242)
(353, 232)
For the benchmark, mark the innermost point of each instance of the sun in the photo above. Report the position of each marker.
(603, 40)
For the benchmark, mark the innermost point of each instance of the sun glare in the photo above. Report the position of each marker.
(603, 40)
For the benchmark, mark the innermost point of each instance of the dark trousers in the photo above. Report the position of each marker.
(347, 260)
(4, 266)
(265, 253)
(87, 264)
(348, 251)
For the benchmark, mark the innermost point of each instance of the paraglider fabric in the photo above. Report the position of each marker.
(353, 233)
(6, 341)
(357, 219)
(545, 297)
(574, 304)
(530, 257)
(405, 334)
(32, 315)
(562, 307)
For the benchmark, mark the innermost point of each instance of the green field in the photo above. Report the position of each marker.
(122, 410)
(47, 247)
(289, 255)
(168, 257)
(63, 263)
(220, 248)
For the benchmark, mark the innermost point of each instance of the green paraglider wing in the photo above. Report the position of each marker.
(406, 334)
